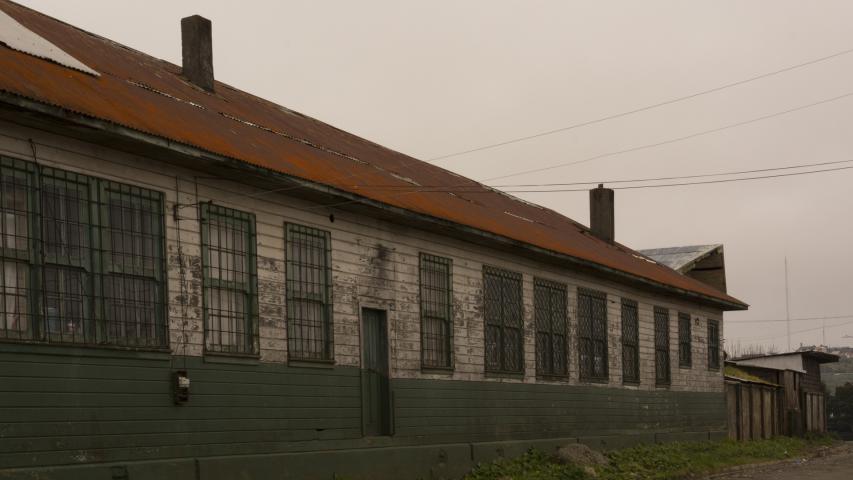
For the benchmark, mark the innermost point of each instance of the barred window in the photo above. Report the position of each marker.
(436, 316)
(502, 307)
(549, 307)
(713, 344)
(76, 270)
(662, 368)
(309, 315)
(685, 345)
(66, 246)
(230, 280)
(133, 233)
(630, 342)
(592, 334)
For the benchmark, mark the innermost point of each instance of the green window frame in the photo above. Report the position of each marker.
(59, 282)
(503, 321)
(310, 332)
(593, 354)
(713, 344)
(550, 310)
(230, 281)
(663, 374)
(685, 343)
(436, 302)
(630, 342)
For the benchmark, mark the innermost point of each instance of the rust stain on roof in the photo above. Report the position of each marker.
(148, 95)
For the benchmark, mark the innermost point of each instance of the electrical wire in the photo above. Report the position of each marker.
(641, 109)
(672, 140)
(800, 319)
(565, 164)
(596, 182)
(813, 329)
(634, 187)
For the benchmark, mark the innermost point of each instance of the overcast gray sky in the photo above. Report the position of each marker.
(430, 78)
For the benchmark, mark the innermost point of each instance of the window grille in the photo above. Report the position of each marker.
(713, 344)
(630, 342)
(436, 314)
(503, 320)
(133, 273)
(549, 306)
(592, 334)
(230, 280)
(309, 315)
(82, 259)
(685, 346)
(662, 368)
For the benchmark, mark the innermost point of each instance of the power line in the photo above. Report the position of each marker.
(634, 187)
(672, 140)
(801, 319)
(813, 329)
(596, 182)
(565, 164)
(641, 109)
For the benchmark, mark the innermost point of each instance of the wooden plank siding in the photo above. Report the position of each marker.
(69, 405)
(374, 263)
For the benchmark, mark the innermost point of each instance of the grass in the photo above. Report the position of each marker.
(653, 462)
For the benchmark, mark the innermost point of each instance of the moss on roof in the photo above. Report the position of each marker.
(733, 372)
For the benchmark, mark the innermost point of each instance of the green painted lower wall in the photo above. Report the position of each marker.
(70, 413)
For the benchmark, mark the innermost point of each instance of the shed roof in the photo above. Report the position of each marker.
(681, 258)
(821, 357)
(149, 96)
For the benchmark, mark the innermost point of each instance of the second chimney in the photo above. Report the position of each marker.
(197, 49)
(601, 216)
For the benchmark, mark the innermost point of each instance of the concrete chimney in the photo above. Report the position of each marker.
(601, 216)
(197, 47)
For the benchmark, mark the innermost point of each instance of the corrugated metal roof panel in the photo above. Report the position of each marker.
(677, 258)
(148, 95)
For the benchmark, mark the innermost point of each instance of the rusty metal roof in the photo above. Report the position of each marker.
(148, 95)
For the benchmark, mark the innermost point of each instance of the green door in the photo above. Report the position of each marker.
(376, 403)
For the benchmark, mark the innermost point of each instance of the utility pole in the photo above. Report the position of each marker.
(787, 306)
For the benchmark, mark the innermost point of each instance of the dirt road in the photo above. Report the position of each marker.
(837, 465)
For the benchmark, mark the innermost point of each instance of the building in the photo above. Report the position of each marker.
(802, 404)
(199, 283)
(705, 263)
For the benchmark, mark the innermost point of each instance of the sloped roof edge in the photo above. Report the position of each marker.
(148, 96)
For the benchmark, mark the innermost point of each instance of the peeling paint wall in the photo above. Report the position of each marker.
(375, 264)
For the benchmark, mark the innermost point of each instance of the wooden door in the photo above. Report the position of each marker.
(375, 392)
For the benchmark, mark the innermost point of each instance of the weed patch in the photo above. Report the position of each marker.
(653, 462)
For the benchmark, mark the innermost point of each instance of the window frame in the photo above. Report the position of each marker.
(27, 171)
(425, 259)
(587, 338)
(714, 360)
(661, 313)
(632, 344)
(325, 299)
(505, 277)
(107, 267)
(551, 291)
(249, 289)
(89, 263)
(685, 340)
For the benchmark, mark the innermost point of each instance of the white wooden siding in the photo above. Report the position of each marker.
(374, 263)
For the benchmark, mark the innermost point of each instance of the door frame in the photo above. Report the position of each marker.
(389, 400)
